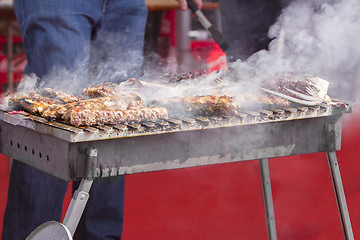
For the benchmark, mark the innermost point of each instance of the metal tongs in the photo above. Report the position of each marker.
(314, 93)
(216, 35)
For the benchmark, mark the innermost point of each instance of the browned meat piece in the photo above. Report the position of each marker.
(227, 106)
(100, 103)
(258, 101)
(118, 102)
(89, 117)
(36, 105)
(133, 101)
(33, 101)
(207, 105)
(38, 101)
(55, 94)
(107, 89)
(56, 111)
(171, 77)
(52, 104)
(273, 101)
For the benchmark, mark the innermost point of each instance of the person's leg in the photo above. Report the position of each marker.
(56, 38)
(34, 197)
(117, 56)
(55, 34)
(118, 42)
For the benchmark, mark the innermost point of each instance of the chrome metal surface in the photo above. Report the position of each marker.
(73, 153)
(177, 149)
(268, 199)
(77, 206)
(61, 150)
(50, 231)
(340, 195)
(81, 134)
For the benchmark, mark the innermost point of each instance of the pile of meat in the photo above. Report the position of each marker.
(110, 103)
(96, 106)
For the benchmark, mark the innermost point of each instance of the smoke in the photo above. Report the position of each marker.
(310, 37)
(111, 58)
(315, 37)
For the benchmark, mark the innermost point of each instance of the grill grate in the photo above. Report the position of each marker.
(90, 133)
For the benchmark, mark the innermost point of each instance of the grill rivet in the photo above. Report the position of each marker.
(82, 197)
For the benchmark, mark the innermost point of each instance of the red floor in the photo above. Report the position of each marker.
(225, 201)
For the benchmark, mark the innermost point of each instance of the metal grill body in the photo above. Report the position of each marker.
(73, 153)
(118, 156)
(62, 150)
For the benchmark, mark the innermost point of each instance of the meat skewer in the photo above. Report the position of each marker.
(89, 117)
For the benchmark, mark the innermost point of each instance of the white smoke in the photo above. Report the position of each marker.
(313, 37)
(320, 38)
(316, 37)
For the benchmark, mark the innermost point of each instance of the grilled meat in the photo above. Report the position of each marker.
(59, 95)
(56, 111)
(107, 89)
(110, 103)
(131, 101)
(52, 104)
(33, 101)
(171, 77)
(88, 117)
(207, 105)
(261, 101)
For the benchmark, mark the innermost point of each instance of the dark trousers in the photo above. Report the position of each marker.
(245, 25)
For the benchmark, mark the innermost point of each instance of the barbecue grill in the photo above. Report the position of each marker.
(85, 153)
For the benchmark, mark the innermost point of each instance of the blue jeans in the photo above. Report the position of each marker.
(70, 44)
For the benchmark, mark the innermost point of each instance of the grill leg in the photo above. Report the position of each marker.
(77, 205)
(81, 195)
(268, 200)
(340, 195)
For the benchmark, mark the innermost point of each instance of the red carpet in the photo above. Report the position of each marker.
(225, 201)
